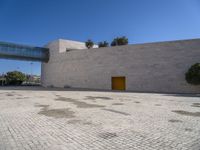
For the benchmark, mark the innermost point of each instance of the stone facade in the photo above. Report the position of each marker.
(151, 67)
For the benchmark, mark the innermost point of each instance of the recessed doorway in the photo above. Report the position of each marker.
(119, 83)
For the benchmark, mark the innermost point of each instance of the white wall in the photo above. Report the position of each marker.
(154, 67)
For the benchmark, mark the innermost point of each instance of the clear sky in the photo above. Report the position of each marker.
(36, 22)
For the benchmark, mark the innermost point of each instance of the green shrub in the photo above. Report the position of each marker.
(119, 41)
(89, 44)
(103, 44)
(193, 74)
(15, 78)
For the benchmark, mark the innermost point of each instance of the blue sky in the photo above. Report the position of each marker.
(36, 22)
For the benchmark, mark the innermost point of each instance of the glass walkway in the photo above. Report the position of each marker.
(23, 52)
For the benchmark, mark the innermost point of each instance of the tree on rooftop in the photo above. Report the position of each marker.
(120, 41)
(103, 44)
(89, 44)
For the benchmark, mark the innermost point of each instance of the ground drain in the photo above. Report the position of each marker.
(118, 104)
(175, 121)
(118, 112)
(98, 97)
(107, 135)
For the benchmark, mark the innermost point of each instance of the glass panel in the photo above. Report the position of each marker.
(22, 52)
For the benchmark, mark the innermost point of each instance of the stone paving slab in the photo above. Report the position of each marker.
(87, 120)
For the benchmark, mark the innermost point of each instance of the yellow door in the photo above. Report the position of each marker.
(118, 83)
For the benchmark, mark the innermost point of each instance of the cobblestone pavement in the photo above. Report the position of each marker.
(86, 120)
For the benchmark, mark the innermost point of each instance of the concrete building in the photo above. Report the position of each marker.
(152, 67)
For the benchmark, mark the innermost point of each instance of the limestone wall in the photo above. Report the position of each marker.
(154, 67)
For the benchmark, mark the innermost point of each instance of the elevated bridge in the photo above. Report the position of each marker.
(23, 52)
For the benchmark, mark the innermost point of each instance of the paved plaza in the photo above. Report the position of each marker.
(53, 119)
